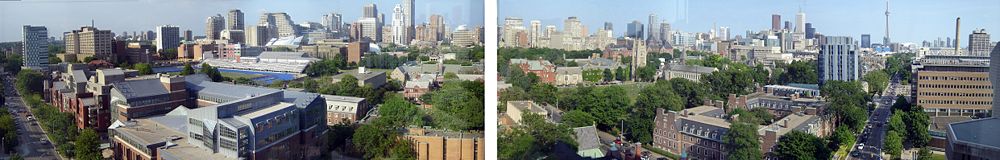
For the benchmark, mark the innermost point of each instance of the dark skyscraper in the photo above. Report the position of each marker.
(775, 22)
(788, 25)
(608, 26)
(866, 41)
(810, 31)
(635, 30)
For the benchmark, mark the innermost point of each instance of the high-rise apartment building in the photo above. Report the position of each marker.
(979, 43)
(369, 29)
(654, 31)
(257, 35)
(167, 37)
(188, 35)
(214, 25)
(36, 47)
(89, 42)
(370, 11)
(235, 20)
(279, 24)
(512, 26)
(838, 59)
(437, 27)
(333, 22)
(534, 33)
(572, 27)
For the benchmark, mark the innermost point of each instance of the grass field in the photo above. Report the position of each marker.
(233, 75)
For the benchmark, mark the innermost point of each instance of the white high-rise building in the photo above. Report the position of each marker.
(654, 29)
(279, 24)
(512, 25)
(535, 33)
(168, 37)
(333, 22)
(399, 26)
(214, 25)
(36, 47)
(370, 29)
(257, 35)
(408, 20)
(838, 59)
(573, 28)
(979, 43)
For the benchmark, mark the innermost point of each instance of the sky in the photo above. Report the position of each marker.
(910, 20)
(143, 15)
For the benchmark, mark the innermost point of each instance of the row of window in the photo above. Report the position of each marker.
(957, 102)
(955, 86)
(955, 94)
(953, 78)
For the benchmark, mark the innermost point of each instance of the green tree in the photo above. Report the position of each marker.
(800, 72)
(188, 70)
(901, 104)
(924, 154)
(462, 100)
(896, 123)
(802, 146)
(518, 144)
(339, 134)
(693, 93)
(843, 135)
(893, 144)
(29, 82)
(608, 75)
(621, 74)
(12, 63)
(918, 122)
(143, 68)
(54, 60)
(742, 141)
(877, 81)
(543, 93)
(212, 72)
(577, 118)
(86, 145)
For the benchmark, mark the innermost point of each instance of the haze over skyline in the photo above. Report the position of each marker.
(910, 21)
(141, 15)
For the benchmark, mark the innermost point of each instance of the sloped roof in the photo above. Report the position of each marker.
(140, 88)
(586, 138)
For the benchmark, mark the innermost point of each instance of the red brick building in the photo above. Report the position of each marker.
(545, 70)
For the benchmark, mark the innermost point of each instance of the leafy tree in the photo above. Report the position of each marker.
(924, 154)
(893, 144)
(758, 116)
(169, 53)
(692, 92)
(621, 74)
(450, 76)
(518, 145)
(577, 118)
(896, 123)
(29, 82)
(243, 80)
(86, 145)
(800, 145)
(325, 67)
(212, 72)
(88, 59)
(800, 72)
(143, 68)
(877, 81)
(8, 130)
(543, 93)
(462, 100)
(608, 75)
(899, 64)
(188, 70)
(54, 60)
(901, 104)
(843, 135)
(12, 63)
(742, 141)
(383, 61)
(917, 126)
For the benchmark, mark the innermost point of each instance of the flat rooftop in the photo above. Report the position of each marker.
(267, 110)
(980, 132)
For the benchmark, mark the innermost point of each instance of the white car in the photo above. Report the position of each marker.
(861, 146)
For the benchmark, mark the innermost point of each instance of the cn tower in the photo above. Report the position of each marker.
(886, 39)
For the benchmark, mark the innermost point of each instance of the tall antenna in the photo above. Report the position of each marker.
(92, 23)
(886, 40)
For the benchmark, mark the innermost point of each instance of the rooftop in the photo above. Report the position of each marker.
(586, 137)
(267, 110)
(690, 68)
(980, 132)
(141, 88)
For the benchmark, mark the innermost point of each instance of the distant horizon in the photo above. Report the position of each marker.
(910, 21)
(134, 16)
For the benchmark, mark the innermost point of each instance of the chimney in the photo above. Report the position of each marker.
(958, 24)
(172, 83)
(638, 148)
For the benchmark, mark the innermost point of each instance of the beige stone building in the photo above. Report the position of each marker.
(446, 145)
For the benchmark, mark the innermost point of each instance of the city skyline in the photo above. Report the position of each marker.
(825, 16)
(11, 14)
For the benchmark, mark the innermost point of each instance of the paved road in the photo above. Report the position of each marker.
(874, 133)
(33, 143)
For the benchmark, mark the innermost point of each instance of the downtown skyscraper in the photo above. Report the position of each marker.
(36, 46)
(214, 25)
(235, 20)
(167, 37)
(408, 21)
(838, 60)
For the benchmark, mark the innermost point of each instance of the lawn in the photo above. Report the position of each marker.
(234, 75)
(938, 157)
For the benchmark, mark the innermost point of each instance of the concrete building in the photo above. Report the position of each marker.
(979, 43)
(408, 14)
(838, 59)
(235, 20)
(290, 62)
(516, 109)
(399, 36)
(279, 24)
(374, 79)
(545, 70)
(464, 37)
(689, 72)
(89, 42)
(976, 139)
(36, 47)
(567, 76)
(333, 22)
(369, 29)
(233, 36)
(433, 144)
(227, 122)
(167, 37)
(953, 86)
(866, 41)
(257, 35)
(214, 25)
(344, 109)
(635, 30)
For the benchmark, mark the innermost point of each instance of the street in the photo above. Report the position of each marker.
(874, 132)
(33, 143)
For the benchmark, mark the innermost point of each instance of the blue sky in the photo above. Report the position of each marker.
(910, 20)
(140, 15)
